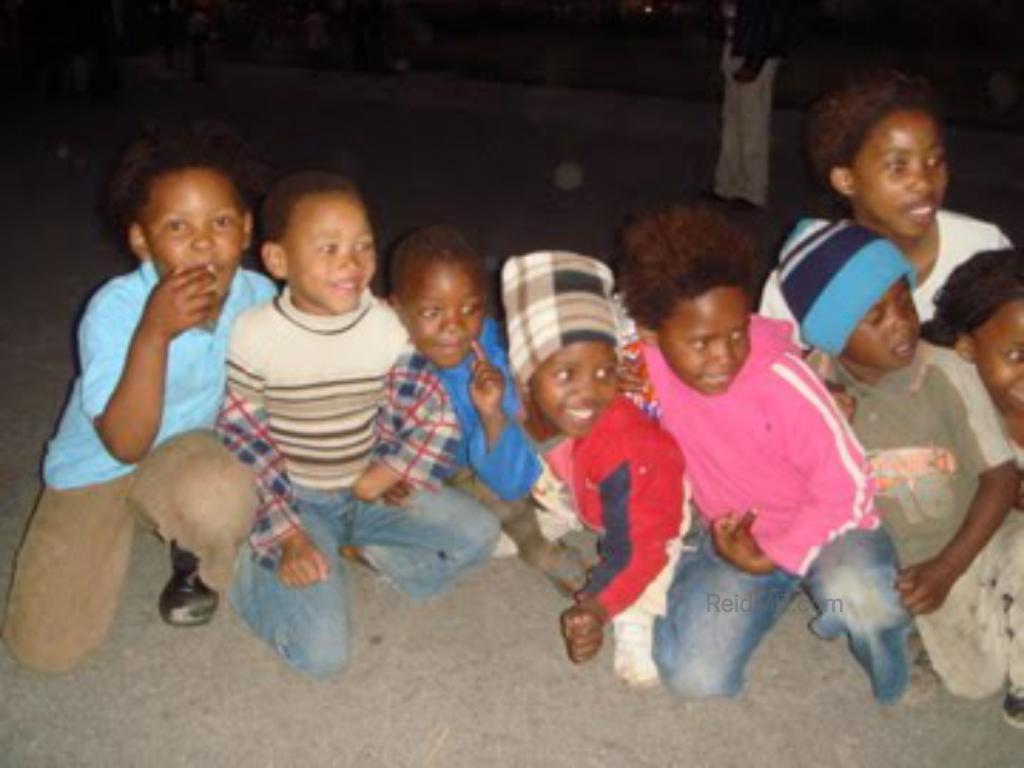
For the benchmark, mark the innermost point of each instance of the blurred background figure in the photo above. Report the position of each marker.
(171, 30)
(368, 22)
(71, 48)
(200, 31)
(755, 36)
(315, 37)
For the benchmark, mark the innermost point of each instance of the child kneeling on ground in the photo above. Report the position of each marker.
(624, 472)
(945, 482)
(979, 314)
(134, 440)
(452, 411)
(306, 378)
(782, 487)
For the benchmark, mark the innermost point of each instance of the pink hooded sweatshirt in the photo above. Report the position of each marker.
(774, 443)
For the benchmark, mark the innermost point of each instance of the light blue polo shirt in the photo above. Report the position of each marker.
(196, 373)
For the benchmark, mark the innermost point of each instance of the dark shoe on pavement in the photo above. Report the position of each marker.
(1013, 707)
(186, 601)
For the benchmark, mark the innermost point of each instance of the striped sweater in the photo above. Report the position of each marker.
(773, 443)
(318, 381)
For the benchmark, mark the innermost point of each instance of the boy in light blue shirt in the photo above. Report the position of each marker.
(134, 439)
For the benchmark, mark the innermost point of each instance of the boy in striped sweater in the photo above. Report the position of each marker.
(305, 380)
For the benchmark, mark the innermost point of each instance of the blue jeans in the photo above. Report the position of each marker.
(717, 615)
(420, 548)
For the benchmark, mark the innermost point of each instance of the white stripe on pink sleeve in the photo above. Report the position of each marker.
(796, 373)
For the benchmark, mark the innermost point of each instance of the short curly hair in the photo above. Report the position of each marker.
(975, 291)
(436, 244)
(286, 192)
(679, 253)
(840, 121)
(158, 150)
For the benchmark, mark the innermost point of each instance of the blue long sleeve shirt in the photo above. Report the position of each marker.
(510, 467)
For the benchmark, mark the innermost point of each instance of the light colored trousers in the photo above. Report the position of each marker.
(71, 565)
(976, 639)
(745, 151)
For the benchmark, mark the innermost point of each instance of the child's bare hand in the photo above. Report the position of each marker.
(924, 587)
(735, 544)
(398, 494)
(375, 483)
(583, 629)
(301, 563)
(487, 387)
(182, 299)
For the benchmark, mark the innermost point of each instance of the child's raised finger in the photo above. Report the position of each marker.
(485, 373)
(177, 273)
(195, 281)
(195, 272)
(478, 351)
(724, 525)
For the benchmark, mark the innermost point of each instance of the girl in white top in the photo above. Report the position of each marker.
(877, 143)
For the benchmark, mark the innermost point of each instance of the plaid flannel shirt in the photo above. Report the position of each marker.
(244, 430)
(418, 431)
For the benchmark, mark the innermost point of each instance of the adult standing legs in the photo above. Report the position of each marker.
(745, 151)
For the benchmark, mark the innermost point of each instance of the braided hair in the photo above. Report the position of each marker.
(974, 292)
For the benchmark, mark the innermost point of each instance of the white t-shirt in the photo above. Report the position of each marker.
(960, 237)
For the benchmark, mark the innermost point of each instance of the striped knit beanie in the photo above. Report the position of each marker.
(832, 273)
(553, 299)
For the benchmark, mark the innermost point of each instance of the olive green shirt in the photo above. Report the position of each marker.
(929, 431)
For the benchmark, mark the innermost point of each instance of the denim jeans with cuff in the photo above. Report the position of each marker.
(420, 548)
(717, 614)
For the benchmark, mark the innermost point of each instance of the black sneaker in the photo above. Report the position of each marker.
(186, 601)
(1013, 707)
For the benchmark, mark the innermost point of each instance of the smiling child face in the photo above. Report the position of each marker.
(996, 348)
(572, 388)
(326, 255)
